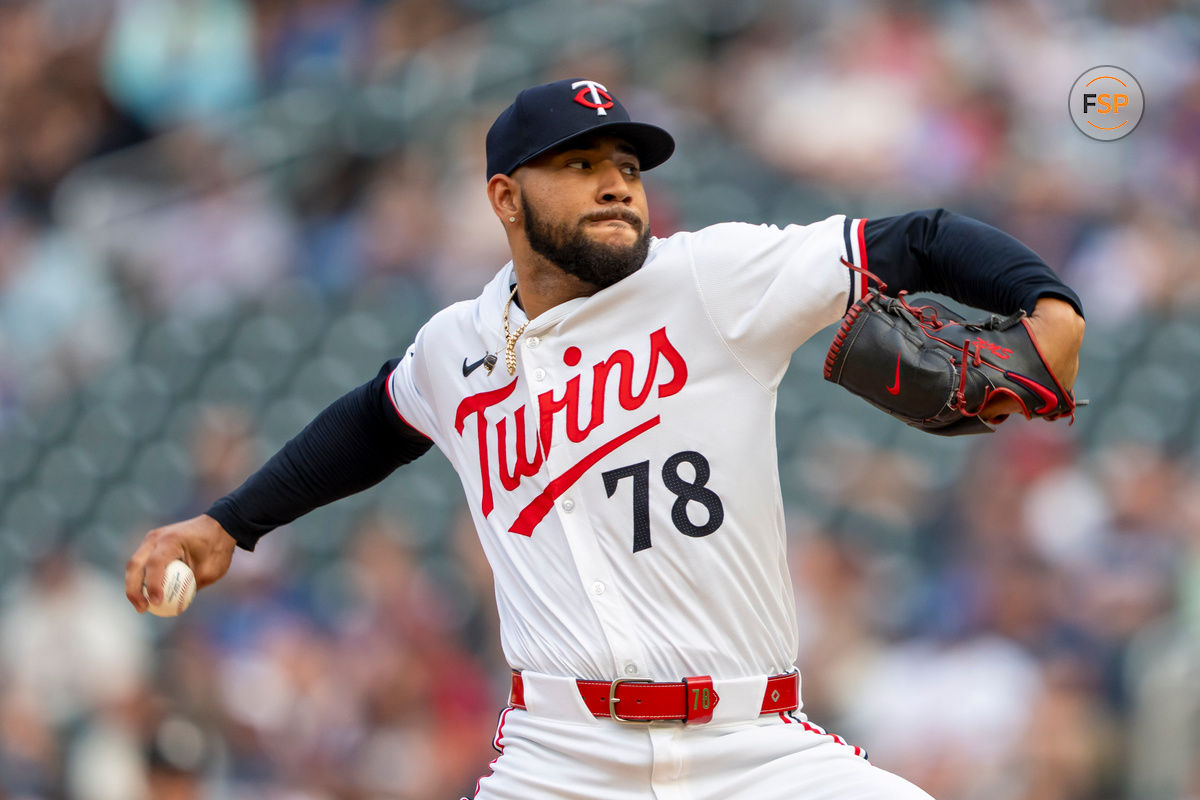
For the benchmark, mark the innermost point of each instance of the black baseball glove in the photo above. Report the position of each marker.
(926, 365)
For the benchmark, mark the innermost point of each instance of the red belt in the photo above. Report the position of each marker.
(690, 700)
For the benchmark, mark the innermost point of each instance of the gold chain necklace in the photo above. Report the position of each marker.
(510, 339)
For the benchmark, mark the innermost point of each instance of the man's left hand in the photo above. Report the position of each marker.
(1057, 329)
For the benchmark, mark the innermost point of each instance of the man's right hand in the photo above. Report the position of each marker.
(200, 542)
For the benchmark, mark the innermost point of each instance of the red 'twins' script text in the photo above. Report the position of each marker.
(570, 405)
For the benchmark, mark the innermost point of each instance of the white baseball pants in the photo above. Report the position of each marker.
(558, 751)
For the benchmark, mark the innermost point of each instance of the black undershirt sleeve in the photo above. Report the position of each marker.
(940, 251)
(350, 446)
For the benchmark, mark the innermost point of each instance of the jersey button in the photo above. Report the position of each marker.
(631, 668)
(597, 588)
(568, 505)
(539, 374)
(532, 342)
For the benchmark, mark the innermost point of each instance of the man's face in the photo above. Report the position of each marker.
(584, 210)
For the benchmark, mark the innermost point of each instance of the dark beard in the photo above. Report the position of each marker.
(569, 248)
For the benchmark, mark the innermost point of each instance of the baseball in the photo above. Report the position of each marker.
(179, 587)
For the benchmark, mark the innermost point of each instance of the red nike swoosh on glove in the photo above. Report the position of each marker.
(895, 387)
(1044, 394)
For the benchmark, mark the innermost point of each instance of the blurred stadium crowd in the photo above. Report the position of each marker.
(218, 215)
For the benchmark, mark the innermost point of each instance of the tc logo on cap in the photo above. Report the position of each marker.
(593, 95)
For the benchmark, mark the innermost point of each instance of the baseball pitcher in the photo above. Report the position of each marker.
(608, 403)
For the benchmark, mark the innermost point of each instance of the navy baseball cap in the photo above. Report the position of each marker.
(551, 115)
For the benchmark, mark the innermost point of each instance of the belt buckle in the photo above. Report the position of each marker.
(612, 701)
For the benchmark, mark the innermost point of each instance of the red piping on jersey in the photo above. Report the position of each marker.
(388, 388)
(537, 510)
(862, 251)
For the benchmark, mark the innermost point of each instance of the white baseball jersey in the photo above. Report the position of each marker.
(625, 482)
